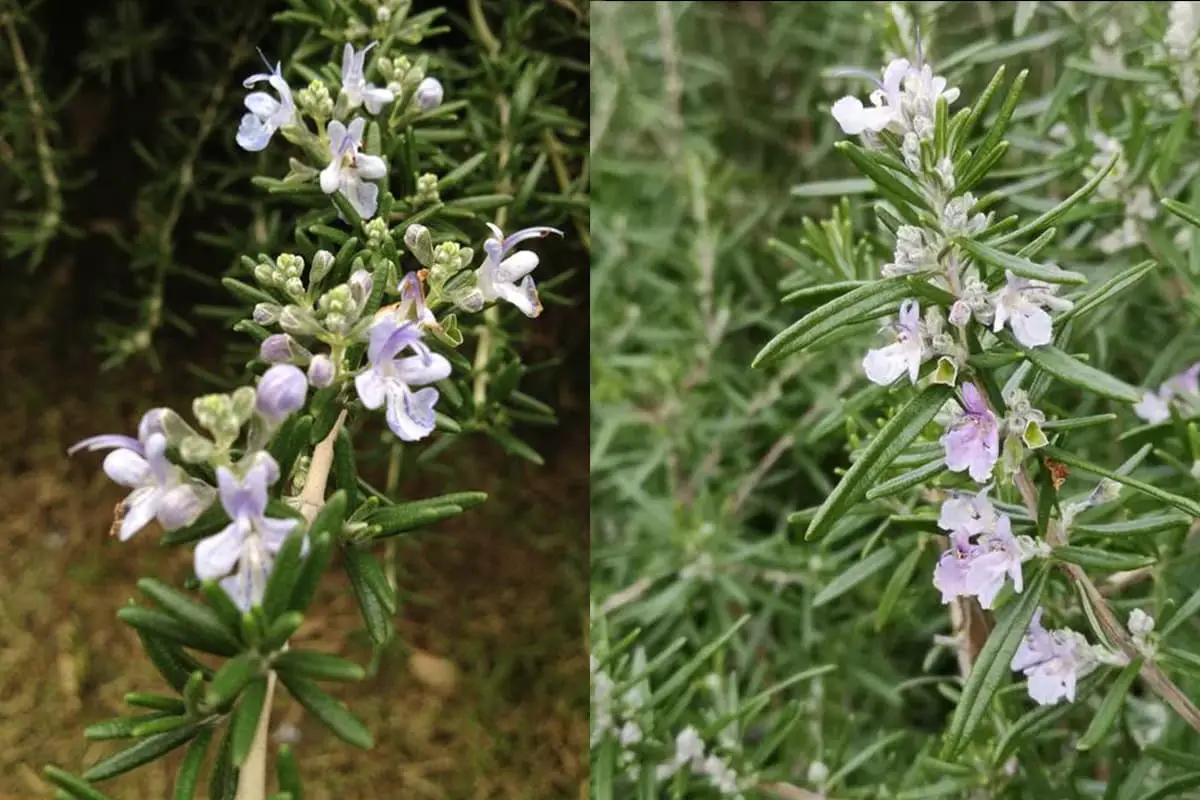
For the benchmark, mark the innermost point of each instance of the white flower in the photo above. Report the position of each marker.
(854, 117)
(349, 169)
(267, 114)
(884, 365)
(1053, 662)
(160, 489)
(969, 514)
(913, 253)
(1141, 624)
(1019, 303)
(496, 279)
(354, 82)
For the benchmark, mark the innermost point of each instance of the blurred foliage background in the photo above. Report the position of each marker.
(123, 201)
(717, 191)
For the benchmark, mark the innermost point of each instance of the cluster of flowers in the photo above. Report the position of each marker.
(984, 553)
(1181, 391)
(165, 491)
(348, 170)
(397, 374)
(690, 753)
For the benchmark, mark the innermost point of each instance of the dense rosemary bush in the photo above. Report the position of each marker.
(385, 279)
(940, 540)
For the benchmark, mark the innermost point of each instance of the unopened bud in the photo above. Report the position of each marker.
(322, 263)
(419, 243)
(429, 94)
(267, 313)
(320, 371)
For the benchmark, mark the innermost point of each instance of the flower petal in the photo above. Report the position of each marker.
(217, 555)
(410, 414)
(127, 468)
(140, 507)
(106, 441)
(418, 371)
(182, 505)
(372, 388)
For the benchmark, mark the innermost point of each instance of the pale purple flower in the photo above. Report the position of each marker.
(883, 365)
(349, 170)
(429, 94)
(970, 514)
(250, 539)
(389, 379)
(267, 114)
(320, 371)
(998, 556)
(411, 307)
(1154, 407)
(951, 575)
(354, 81)
(854, 117)
(1020, 304)
(161, 490)
(496, 279)
(281, 390)
(972, 441)
(1185, 383)
(276, 348)
(1052, 661)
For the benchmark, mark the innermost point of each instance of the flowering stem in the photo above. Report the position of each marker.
(252, 778)
(1154, 677)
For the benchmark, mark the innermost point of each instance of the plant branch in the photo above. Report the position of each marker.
(252, 778)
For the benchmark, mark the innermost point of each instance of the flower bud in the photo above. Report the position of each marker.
(242, 404)
(322, 263)
(960, 314)
(419, 243)
(298, 321)
(264, 274)
(361, 284)
(267, 313)
(276, 348)
(429, 94)
(291, 265)
(427, 188)
(195, 449)
(377, 231)
(294, 288)
(281, 390)
(320, 371)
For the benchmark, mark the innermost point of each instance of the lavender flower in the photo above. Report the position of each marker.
(320, 371)
(1053, 661)
(389, 378)
(267, 114)
(354, 81)
(276, 348)
(281, 390)
(412, 302)
(951, 576)
(496, 279)
(250, 540)
(885, 364)
(1019, 304)
(998, 555)
(349, 170)
(429, 94)
(1182, 390)
(972, 441)
(160, 489)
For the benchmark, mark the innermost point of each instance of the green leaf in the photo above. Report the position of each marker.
(404, 517)
(158, 702)
(332, 515)
(1102, 560)
(888, 443)
(170, 660)
(1071, 423)
(282, 628)
(377, 605)
(319, 666)
(1054, 215)
(187, 779)
(231, 678)
(165, 626)
(120, 727)
(838, 188)
(1106, 715)
(328, 710)
(856, 574)
(967, 126)
(992, 665)
(222, 782)
(896, 585)
(995, 129)
(247, 293)
(1185, 212)
(824, 291)
(143, 752)
(1109, 290)
(345, 472)
(681, 675)
(1113, 71)
(1140, 526)
(200, 621)
(285, 572)
(287, 773)
(1070, 370)
(1187, 506)
(1173, 788)
(922, 475)
(831, 316)
(244, 722)
(313, 566)
(1018, 265)
(905, 198)
(1175, 758)
(73, 786)
(1184, 612)
(1030, 724)
(167, 723)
